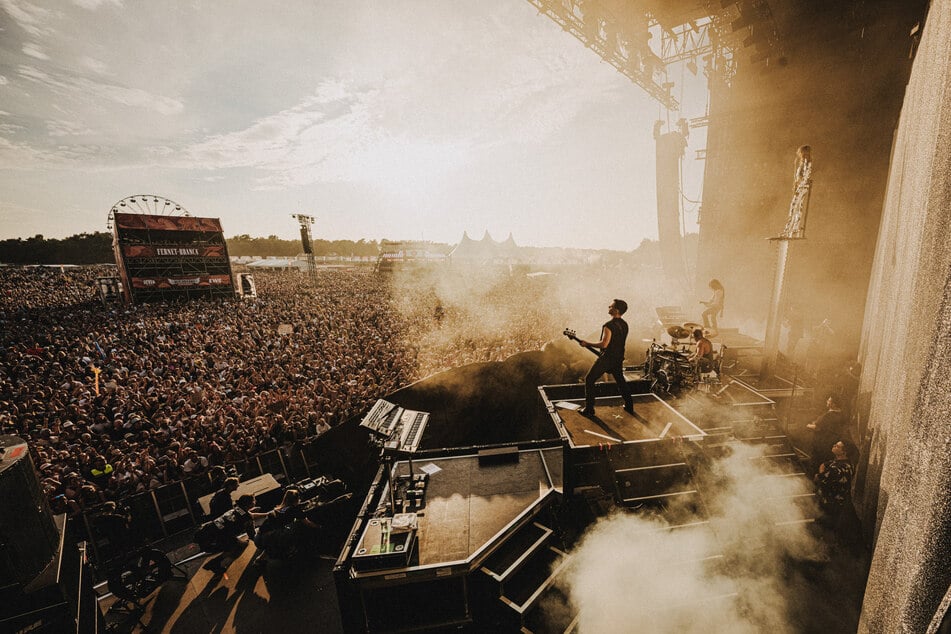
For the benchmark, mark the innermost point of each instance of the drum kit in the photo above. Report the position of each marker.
(670, 368)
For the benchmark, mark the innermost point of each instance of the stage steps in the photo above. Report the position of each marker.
(518, 581)
(524, 590)
(519, 549)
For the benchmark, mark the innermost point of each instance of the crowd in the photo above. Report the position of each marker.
(118, 400)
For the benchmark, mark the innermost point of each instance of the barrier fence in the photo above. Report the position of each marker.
(173, 508)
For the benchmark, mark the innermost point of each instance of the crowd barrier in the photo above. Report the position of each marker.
(173, 508)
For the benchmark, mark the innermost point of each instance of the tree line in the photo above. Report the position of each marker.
(96, 248)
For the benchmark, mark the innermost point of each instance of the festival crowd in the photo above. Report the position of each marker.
(118, 400)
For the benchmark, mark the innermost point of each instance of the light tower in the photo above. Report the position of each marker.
(305, 224)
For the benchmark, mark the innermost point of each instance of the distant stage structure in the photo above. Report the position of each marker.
(164, 253)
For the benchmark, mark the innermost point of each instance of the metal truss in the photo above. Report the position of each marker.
(699, 41)
(687, 41)
(620, 42)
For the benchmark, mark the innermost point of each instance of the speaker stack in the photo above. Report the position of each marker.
(45, 585)
(29, 539)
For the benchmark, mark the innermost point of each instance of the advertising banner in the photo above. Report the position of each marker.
(195, 281)
(167, 223)
(173, 251)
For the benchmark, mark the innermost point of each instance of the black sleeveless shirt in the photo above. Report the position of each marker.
(615, 349)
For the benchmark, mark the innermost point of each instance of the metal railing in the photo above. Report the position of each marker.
(173, 508)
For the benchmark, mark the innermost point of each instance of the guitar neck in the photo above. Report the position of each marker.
(586, 346)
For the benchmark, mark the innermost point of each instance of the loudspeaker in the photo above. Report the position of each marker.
(498, 455)
(29, 539)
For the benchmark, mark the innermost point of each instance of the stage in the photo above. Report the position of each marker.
(653, 419)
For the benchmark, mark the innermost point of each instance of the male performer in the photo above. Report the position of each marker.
(703, 355)
(613, 338)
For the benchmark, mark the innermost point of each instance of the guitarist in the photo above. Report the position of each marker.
(613, 338)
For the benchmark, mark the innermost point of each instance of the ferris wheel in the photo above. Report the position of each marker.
(148, 204)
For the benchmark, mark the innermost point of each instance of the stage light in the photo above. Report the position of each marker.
(692, 66)
(741, 22)
(757, 35)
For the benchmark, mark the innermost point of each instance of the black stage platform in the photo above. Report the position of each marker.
(653, 419)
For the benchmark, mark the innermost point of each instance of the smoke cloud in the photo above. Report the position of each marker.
(718, 573)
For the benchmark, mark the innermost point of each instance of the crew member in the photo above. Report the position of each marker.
(611, 360)
(834, 484)
(221, 500)
(281, 532)
(714, 305)
(221, 534)
(828, 428)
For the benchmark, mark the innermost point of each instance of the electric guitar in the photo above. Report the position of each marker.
(571, 334)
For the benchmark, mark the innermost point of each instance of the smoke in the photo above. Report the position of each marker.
(465, 314)
(718, 573)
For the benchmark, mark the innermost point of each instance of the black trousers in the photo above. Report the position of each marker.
(614, 367)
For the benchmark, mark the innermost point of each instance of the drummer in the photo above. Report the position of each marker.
(703, 353)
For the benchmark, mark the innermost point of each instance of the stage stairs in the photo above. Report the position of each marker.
(518, 583)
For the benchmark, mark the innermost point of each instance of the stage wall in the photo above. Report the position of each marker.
(903, 488)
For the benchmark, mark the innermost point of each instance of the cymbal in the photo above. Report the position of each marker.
(678, 332)
(692, 325)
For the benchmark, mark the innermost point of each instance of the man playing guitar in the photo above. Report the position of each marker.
(611, 360)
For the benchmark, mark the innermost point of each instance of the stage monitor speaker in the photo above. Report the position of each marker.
(498, 455)
(29, 539)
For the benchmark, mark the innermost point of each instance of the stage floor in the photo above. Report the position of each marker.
(279, 596)
(468, 504)
(653, 420)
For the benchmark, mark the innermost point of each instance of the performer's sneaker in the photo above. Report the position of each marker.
(629, 409)
(586, 412)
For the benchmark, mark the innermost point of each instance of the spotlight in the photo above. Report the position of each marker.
(692, 66)
(741, 22)
(757, 35)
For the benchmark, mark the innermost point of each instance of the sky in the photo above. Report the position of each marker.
(414, 119)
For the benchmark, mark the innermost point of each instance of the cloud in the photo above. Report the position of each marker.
(59, 128)
(22, 156)
(92, 5)
(81, 88)
(28, 16)
(401, 134)
(96, 66)
(33, 50)
(335, 134)
(3, 80)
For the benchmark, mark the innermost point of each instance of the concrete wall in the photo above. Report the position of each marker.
(903, 489)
